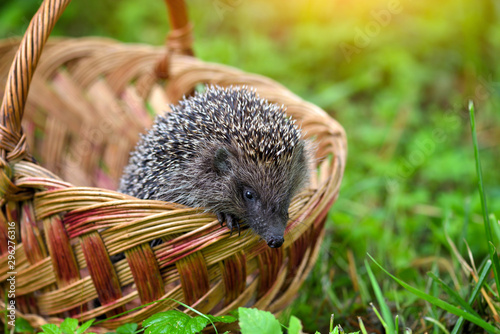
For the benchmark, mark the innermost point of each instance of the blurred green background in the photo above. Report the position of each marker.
(398, 75)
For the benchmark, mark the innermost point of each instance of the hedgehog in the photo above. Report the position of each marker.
(228, 151)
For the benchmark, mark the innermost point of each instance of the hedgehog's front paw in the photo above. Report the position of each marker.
(231, 222)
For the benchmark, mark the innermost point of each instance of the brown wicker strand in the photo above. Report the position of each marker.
(31, 236)
(194, 277)
(101, 270)
(23, 67)
(146, 273)
(4, 236)
(270, 262)
(179, 40)
(234, 274)
(61, 254)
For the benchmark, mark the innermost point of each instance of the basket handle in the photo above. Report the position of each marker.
(12, 140)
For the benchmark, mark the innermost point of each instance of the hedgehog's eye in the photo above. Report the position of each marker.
(249, 195)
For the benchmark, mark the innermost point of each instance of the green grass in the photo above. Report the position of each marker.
(410, 194)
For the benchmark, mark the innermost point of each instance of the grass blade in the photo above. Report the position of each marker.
(482, 278)
(453, 294)
(362, 326)
(380, 318)
(496, 226)
(438, 324)
(496, 265)
(386, 312)
(442, 304)
(486, 218)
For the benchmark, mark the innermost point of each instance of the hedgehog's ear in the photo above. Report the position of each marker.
(221, 160)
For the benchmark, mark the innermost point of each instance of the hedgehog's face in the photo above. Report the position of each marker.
(267, 219)
(260, 194)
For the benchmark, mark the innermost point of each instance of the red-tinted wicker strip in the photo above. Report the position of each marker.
(13, 215)
(4, 237)
(61, 253)
(319, 223)
(270, 263)
(234, 275)
(146, 273)
(193, 273)
(26, 304)
(30, 235)
(191, 247)
(101, 270)
(296, 254)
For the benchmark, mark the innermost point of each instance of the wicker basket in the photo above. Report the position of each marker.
(63, 148)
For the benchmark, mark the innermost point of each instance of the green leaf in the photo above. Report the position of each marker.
(127, 329)
(295, 326)
(195, 325)
(227, 319)
(174, 322)
(155, 321)
(254, 321)
(51, 329)
(85, 326)
(69, 326)
(23, 326)
(162, 316)
(235, 313)
(440, 303)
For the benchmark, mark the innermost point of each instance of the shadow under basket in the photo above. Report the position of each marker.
(64, 146)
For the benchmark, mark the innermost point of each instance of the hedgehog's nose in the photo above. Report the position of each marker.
(275, 242)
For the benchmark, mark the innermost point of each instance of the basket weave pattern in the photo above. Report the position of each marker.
(87, 103)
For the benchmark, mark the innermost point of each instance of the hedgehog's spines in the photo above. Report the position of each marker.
(263, 149)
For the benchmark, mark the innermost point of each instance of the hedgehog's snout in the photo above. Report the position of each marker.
(274, 236)
(275, 241)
